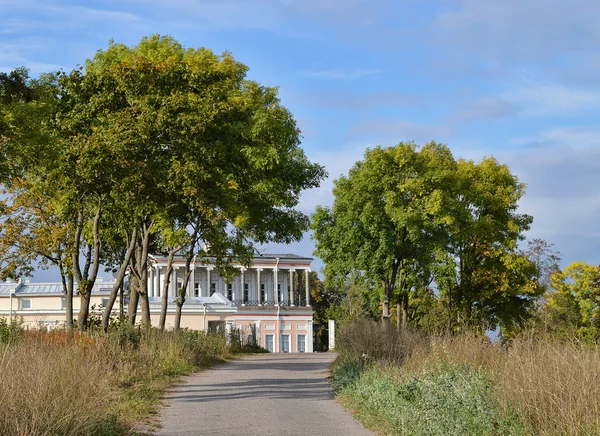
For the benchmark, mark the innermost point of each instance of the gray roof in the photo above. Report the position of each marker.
(273, 256)
(6, 287)
(48, 288)
(282, 256)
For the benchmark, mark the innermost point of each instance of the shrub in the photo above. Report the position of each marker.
(9, 331)
(534, 384)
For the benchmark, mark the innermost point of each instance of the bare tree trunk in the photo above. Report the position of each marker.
(165, 290)
(182, 293)
(133, 300)
(385, 312)
(405, 311)
(119, 281)
(121, 302)
(140, 267)
(186, 277)
(143, 291)
(86, 279)
(69, 301)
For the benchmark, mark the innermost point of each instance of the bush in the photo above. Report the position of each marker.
(534, 384)
(453, 400)
(9, 331)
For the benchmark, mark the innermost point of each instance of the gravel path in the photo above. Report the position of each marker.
(267, 394)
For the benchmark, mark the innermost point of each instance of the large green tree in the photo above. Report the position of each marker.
(385, 218)
(158, 138)
(482, 276)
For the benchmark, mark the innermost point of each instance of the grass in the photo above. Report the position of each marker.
(411, 384)
(69, 383)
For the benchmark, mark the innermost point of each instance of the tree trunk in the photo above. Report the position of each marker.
(143, 291)
(86, 279)
(69, 301)
(182, 293)
(141, 265)
(189, 257)
(165, 290)
(405, 311)
(121, 302)
(385, 312)
(84, 311)
(119, 281)
(133, 300)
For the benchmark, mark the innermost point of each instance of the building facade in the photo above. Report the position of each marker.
(267, 302)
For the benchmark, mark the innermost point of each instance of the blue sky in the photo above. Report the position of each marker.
(514, 79)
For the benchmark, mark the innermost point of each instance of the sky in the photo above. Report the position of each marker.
(517, 80)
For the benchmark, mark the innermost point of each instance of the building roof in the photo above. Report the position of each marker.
(56, 288)
(273, 256)
(282, 256)
(6, 287)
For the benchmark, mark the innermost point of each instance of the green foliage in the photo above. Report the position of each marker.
(169, 142)
(452, 400)
(407, 216)
(345, 373)
(9, 331)
(575, 303)
(385, 217)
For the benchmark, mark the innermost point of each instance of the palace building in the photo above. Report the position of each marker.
(267, 303)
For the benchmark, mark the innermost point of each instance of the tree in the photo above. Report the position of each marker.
(385, 218)
(575, 304)
(482, 276)
(546, 260)
(156, 131)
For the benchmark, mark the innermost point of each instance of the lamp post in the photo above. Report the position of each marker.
(11, 292)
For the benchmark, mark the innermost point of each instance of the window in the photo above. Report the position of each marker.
(246, 292)
(230, 291)
(25, 304)
(63, 303)
(263, 294)
(213, 288)
(104, 302)
(301, 343)
(269, 343)
(196, 289)
(285, 343)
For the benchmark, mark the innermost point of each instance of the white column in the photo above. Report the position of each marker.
(258, 296)
(150, 282)
(292, 271)
(309, 336)
(190, 285)
(173, 285)
(208, 270)
(157, 281)
(307, 279)
(275, 285)
(243, 286)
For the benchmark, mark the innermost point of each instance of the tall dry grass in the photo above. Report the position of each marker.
(67, 383)
(54, 389)
(552, 386)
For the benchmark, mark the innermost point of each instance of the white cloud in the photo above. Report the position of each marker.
(562, 190)
(543, 99)
(518, 29)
